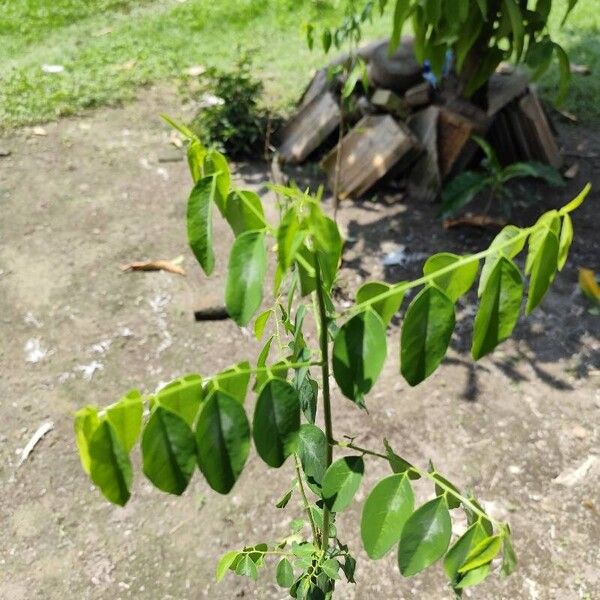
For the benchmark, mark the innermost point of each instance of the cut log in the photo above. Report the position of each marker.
(425, 183)
(368, 152)
(454, 133)
(317, 86)
(538, 132)
(418, 95)
(504, 88)
(397, 72)
(388, 101)
(310, 127)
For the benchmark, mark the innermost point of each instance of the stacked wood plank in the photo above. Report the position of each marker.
(402, 124)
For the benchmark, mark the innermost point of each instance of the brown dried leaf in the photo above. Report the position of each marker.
(154, 265)
(474, 221)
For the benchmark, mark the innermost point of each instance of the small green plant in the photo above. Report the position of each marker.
(201, 422)
(231, 119)
(492, 178)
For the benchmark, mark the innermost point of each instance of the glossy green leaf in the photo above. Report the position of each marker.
(385, 511)
(196, 153)
(225, 563)
(110, 468)
(126, 418)
(260, 323)
(443, 486)
(199, 222)
(328, 246)
(245, 277)
(168, 451)
(359, 351)
(331, 568)
(516, 23)
(455, 283)
(566, 239)
(244, 211)
(222, 440)
(498, 311)
(543, 269)
(509, 242)
(290, 236)
(401, 13)
(426, 332)
(276, 422)
(313, 452)
(399, 464)
(183, 397)
(341, 482)
(285, 573)
(482, 553)
(577, 201)
(216, 164)
(385, 308)
(233, 381)
(549, 221)
(86, 422)
(459, 551)
(246, 567)
(425, 537)
(304, 262)
(474, 577)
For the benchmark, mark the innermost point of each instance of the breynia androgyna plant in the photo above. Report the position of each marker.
(199, 422)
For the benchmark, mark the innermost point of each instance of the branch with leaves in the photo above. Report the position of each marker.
(201, 423)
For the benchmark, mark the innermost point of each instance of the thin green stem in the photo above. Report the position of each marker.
(427, 475)
(255, 371)
(324, 343)
(299, 476)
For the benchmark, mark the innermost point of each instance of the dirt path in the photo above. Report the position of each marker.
(96, 192)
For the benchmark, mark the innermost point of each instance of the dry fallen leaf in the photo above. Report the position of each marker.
(39, 131)
(572, 171)
(569, 116)
(474, 221)
(170, 266)
(175, 139)
(580, 69)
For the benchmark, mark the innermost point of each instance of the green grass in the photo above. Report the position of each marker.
(110, 48)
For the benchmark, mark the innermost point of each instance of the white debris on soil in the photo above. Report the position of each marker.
(399, 257)
(34, 351)
(158, 304)
(162, 173)
(571, 477)
(102, 346)
(125, 332)
(89, 370)
(53, 69)
(41, 431)
(29, 319)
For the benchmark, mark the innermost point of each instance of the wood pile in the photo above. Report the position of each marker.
(405, 126)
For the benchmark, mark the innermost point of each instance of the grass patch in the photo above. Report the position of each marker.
(110, 48)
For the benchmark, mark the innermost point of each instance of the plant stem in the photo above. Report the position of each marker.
(313, 525)
(324, 342)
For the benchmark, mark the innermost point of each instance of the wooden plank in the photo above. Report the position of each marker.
(504, 88)
(368, 152)
(425, 182)
(309, 128)
(390, 102)
(454, 133)
(418, 95)
(534, 116)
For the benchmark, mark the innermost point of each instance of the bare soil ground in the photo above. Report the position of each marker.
(94, 193)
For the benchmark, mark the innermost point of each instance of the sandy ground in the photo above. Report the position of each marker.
(102, 190)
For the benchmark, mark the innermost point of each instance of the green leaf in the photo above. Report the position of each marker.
(276, 422)
(308, 394)
(313, 451)
(246, 567)
(126, 418)
(328, 245)
(401, 13)
(223, 441)
(261, 323)
(577, 201)
(290, 236)
(284, 500)
(498, 311)
(359, 351)
(326, 40)
(110, 468)
(441, 489)
(385, 308)
(566, 239)
(504, 247)
(196, 153)
(484, 552)
(533, 169)
(474, 577)
(233, 381)
(457, 282)
(183, 397)
(341, 482)
(244, 211)
(331, 568)
(306, 270)
(199, 222)
(458, 553)
(543, 269)
(399, 464)
(509, 558)
(385, 511)
(487, 66)
(86, 422)
(245, 277)
(460, 191)
(426, 332)
(564, 67)
(216, 164)
(539, 56)
(285, 573)
(168, 451)
(185, 131)
(483, 7)
(425, 537)
(225, 563)
(516, 23)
